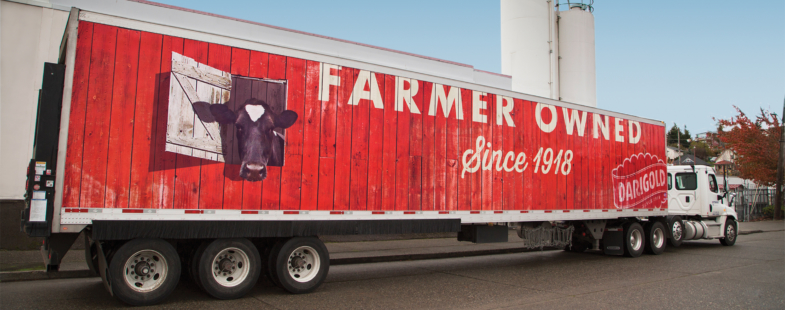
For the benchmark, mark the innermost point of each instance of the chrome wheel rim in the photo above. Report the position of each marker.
(230, 267)
(303, 264)
(635, 240)
(145, 271)
(730, 233)
(677, 230)
(658, 238)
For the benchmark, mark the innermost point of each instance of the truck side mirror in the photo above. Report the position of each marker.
(719, 197)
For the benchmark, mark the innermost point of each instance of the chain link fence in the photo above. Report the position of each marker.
(749, 203)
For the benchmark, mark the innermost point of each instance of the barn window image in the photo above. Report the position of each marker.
(218, 116)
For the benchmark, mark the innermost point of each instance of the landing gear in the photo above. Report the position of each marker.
(300, 264)
(144, 271)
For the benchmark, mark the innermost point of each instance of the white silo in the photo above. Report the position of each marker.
(577, 73)
(548, 52)
(528, 46)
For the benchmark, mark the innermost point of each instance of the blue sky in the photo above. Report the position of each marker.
(680, 62)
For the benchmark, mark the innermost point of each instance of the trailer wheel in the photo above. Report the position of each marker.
(655, 238)
(633, 239)
(193, 264)
(144, 271)
(731, 232)
(676, 228)
(302, 264)
(272, 257)
(229, 268)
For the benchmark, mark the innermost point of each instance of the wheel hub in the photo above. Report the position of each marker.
(677, 231)
(731, 234)
(142, 274)
(226, 263)
(143, 268)
(298, 262)
(303, 264)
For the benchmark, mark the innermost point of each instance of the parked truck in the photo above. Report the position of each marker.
(178, 151)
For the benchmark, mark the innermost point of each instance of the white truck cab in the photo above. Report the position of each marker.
(697, 207)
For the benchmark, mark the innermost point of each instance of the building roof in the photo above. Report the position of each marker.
(690, 159)
(726, 158)
(209, 23)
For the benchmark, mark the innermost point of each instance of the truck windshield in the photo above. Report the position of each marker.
(686, 181)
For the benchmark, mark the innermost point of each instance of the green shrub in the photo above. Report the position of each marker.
(769, 211)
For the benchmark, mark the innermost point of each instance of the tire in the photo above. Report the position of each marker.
(676, 232)
(272, 256)
(731, 232)
(229, 268)
(302, 264)
(193, 264)
(154, 260)
(655, 238)
(634, 240)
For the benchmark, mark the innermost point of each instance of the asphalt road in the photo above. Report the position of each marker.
(698, 275)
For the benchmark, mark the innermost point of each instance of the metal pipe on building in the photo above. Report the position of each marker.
(577, 72)
(549, 53)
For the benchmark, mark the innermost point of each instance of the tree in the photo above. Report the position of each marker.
(703, 150)
(678, 137)
(756, 144)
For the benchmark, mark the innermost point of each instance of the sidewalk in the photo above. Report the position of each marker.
(28, 265)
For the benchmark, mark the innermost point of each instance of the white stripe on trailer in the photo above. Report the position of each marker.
(86, 216)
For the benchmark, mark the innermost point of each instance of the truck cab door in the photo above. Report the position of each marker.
(713, 202)
(684, 191)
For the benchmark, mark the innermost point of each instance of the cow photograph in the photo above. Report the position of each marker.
(227, 118)
(258, 143)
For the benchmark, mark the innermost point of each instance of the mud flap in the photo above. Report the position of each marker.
(613, 241)
(103, 268)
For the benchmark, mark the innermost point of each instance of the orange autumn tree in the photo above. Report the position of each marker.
(756, 143)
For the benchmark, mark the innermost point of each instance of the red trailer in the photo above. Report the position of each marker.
(179, 151)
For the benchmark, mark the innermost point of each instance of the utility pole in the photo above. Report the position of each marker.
(780, 168)
(678, 142)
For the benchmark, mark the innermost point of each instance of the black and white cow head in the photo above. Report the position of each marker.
(259, 145)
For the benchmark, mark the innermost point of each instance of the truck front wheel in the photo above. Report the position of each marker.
(676, 228)
(301, 264)
(144, 271)
(731, 232)
(633, 239)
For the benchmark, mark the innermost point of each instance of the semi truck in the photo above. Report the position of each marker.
(176, 151)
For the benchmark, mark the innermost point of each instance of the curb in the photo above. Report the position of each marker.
(749, 232)
(14, 276)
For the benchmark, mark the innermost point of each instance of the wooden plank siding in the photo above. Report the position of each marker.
(362, 141)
